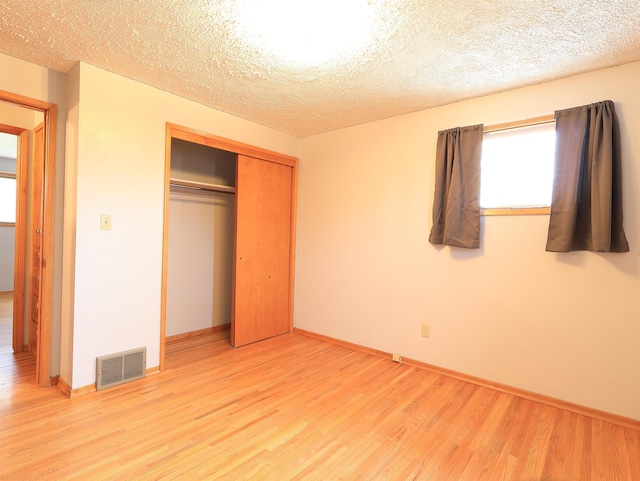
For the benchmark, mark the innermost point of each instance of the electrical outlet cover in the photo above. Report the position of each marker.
(426, 330)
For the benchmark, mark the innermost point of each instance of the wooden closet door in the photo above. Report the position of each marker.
(263, 250)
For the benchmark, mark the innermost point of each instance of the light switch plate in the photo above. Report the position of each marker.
(105, 222)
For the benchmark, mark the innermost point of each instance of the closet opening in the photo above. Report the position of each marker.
(201, 228)
(229, 241)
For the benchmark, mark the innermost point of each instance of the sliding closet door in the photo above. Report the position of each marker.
(263, 250)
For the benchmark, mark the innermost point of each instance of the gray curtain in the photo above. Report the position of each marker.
(586, 206)
(456, 203)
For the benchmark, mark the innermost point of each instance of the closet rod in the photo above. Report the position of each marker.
(189, 184)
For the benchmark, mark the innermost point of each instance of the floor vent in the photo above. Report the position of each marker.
(122, 367)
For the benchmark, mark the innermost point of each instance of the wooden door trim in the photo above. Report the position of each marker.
(49, 110)
(165, 244)
(174, 131)
(48, 211)
(20, 234)
(202, 138)
(292, 245)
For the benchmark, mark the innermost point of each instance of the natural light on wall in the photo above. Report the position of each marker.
(517, 167)
(307, 33)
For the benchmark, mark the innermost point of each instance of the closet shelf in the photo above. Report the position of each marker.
(189, 184)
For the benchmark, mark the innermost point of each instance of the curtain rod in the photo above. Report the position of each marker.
(545, 119)
(189, 184)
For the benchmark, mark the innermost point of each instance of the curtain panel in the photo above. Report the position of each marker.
(586, 206)
(456, 204)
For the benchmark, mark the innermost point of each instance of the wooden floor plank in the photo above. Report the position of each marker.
(296, 408)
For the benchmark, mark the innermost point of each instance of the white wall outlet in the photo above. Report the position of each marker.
(105, 222)
(426, 330)
(396, 358)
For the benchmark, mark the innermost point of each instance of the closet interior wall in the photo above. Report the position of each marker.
(200, 239)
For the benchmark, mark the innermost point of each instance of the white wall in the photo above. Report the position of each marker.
(16, 116)
(120, 171)
(199, 277)
(70, 220)
(564, 325)
(7, 255)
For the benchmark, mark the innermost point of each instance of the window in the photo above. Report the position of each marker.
(8, 154)
(7, 198)
(517, 168)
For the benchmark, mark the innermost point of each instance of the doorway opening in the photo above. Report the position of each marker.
(200, 242)
(33, 123)
(9, 219)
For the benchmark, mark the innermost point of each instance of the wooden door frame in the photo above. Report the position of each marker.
(20, 245)
(174, 131)
(43, 354)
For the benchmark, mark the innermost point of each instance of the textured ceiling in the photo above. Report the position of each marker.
(417, 54)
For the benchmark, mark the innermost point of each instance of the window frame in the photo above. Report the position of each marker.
(491, 211)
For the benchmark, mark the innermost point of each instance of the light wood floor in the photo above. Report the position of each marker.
(293, 407)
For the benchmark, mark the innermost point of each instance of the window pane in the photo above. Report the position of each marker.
(7, 200)
(8, 150)
(517, 167)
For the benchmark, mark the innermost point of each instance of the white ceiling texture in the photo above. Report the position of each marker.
(305, 67)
